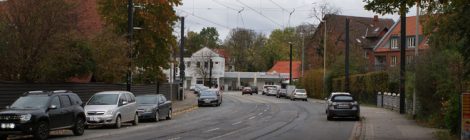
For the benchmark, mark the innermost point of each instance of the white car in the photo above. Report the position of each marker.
(111, 108)
(299, 94)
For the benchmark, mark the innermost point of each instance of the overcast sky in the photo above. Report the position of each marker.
(261, 15)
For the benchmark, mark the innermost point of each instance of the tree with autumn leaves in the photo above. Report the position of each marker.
(152, 44)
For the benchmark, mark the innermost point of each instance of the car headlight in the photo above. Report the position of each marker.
(354, 103)
(25, 118)
(109, 112)
(334, 103)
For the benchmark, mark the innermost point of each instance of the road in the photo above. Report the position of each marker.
(239, 117)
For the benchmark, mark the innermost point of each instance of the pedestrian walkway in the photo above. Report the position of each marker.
(189, 103)
(383, 124)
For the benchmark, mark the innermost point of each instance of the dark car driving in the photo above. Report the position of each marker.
(247, 90)
(254, 89)
(342, 105)
(154, 106)
(38, 112)
(209, 97)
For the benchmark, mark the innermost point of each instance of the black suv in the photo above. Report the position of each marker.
(38, 112)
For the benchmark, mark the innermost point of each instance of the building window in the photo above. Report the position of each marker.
(411, 42)
(393, 62)
(394, 43)
(198, 64)
(409, 59)
(206, 65)
(188, 64)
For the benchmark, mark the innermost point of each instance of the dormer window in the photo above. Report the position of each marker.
(394, 43)
(411, 42)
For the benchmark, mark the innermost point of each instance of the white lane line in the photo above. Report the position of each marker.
(212, 130)
(237, 123)
(260, 113)
(251, 118)
(177, 138)
(265, 110)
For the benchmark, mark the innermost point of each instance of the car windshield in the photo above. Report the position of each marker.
(146, 99)
(343, 98)
(31, 102)
(208, 93)
(103, 99)
(301, 90)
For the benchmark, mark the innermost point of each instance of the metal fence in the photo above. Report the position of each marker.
(392, 101)
(9, 92)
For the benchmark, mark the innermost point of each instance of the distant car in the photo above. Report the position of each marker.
(209, 97)
(247, 90)
(200, 88)
(329, 98)
(342, 105)
(153, 106)
(265, 89)
(299, 94)
(272, 91)
(254, 89)
(37, 112)
(111, 108)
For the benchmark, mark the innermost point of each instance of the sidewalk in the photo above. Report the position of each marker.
(189, 103)
(383, 124)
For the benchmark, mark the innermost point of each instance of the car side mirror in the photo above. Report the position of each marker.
(53, 107)
(124, 102)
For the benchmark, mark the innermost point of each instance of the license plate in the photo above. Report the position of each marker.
(94, 119)
(343, 106)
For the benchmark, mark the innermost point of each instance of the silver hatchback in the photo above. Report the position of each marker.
(111, 108)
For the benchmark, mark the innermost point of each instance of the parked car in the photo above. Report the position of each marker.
(38, 112)
(209, 97)
(265, 88)
(153, 106)
(111, 108)
(254, 89)
(272, 91)
(342, 105)
(298, 94)
(247, 90)
(329, 98)
(199, 88)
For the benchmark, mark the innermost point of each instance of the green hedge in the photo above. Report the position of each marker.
(364, 87)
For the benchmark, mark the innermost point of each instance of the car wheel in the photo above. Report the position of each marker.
(118, 122)
(136, 119)
(169, 114)
(357, 118)
(329, 118)
(157, 117)
(306, 100)
(79, 128)
(251, 93)
(42, 131)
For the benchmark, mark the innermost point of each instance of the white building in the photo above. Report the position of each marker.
(197, 68)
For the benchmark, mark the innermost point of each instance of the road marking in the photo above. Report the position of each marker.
(265, 110)
(260, 113)
(237, 123)
(251, 118)
(212, 130)
(177, 138)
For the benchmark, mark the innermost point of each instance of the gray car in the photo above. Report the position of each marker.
(342, 105)
(299, 94)
(211, 97)
(111, 108)
(154, 106)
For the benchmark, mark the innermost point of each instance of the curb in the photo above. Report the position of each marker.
(359, 130)
(184, 110)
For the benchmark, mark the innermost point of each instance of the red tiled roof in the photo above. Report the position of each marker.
(283, 67)
(222, 53)
(410, 27)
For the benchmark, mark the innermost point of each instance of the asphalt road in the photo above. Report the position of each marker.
(239, 117)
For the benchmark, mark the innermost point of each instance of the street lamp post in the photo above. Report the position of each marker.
(290, 63)
(130, 28)
(324, 57)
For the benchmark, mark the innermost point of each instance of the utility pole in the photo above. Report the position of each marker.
(303, 53)
(290, 63)
(346, 58)
(416, 57)
(182, 74)
(402, 55)
(130, 29)
(324, 57)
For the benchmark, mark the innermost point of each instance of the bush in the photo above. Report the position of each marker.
(313, 83)
(364, 87)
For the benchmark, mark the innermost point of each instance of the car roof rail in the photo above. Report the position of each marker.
(34, 92)
(61, 91)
